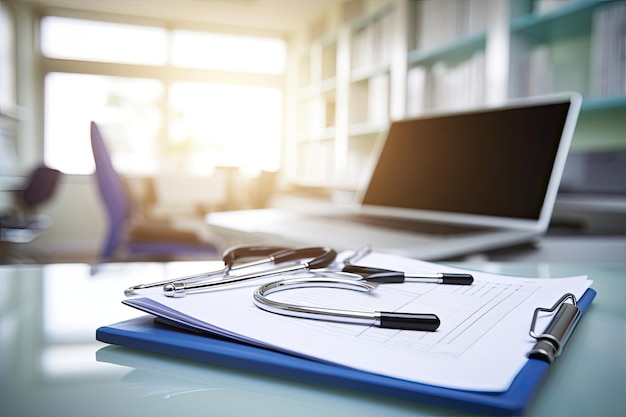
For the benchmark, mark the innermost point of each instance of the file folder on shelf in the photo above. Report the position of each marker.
(146, 334)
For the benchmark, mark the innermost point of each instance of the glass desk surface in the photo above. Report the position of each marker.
(51, 364)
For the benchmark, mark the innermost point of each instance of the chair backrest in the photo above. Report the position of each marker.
(42, 184)
(112, 193)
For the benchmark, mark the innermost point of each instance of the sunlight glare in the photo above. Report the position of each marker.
(228, 125)
(88, 40)
(228, 52)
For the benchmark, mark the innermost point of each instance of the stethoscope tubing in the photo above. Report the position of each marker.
(392, 320)
(301, 311)
(268, 254)
(322, 257)
(351, 277)
(189, 279)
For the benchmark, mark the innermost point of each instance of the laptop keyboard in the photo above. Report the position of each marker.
(410, 225)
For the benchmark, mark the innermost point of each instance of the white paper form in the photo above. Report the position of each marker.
(480, 345)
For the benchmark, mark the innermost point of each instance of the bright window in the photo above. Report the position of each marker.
(8, 93)
(88, 40)
(157, 119)
(127, 109)
(225, 125)
(227, 52)
(7, 60)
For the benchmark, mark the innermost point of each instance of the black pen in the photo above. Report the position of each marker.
(389, 276)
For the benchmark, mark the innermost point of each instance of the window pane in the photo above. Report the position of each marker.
(127, 109)
(88, 40)
(8, 102)
(228, 52)
(7, 60)
(224, 125)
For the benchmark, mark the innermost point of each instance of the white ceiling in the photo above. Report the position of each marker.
(272, 15)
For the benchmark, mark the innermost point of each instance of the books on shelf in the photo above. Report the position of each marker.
(378, 99)
(429, 55)
(316, 161)
(533, 73)
(608, 46)
(446, 87)
(438, 22)
(371, 43)
(545, 6)
(564, 64)
(369, 101)
(318, 114)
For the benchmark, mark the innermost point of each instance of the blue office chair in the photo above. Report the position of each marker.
(128, 240)
(24, 223)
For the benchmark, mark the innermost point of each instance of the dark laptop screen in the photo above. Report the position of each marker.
(493, 162)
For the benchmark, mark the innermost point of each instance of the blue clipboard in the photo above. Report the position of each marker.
(145, 333)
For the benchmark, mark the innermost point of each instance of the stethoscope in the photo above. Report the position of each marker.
(315, 260)
(262, 255)
(295, 260)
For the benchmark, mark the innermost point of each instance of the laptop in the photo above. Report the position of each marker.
(443, 185)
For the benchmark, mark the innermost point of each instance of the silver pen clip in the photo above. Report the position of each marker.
(550, 343)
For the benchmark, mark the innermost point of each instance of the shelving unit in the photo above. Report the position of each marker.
(378, 60)
(579, 46)
(343, 93)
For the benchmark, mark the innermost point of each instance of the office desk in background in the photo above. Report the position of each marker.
(52, 365)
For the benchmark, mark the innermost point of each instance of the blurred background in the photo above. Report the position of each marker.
(212, 105)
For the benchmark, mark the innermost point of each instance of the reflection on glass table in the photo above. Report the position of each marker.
(51, 363)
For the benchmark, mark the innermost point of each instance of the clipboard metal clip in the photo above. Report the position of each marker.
(550, 343)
